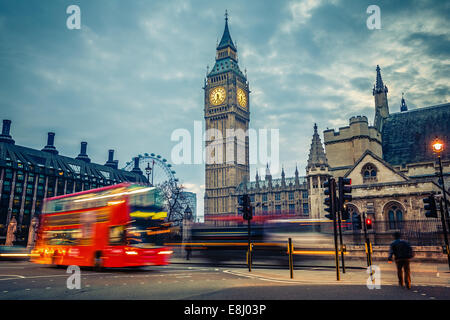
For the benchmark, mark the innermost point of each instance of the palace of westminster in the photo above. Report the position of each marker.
(390, 163)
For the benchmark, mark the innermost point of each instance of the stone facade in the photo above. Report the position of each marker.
(386, 194)
(345, 147)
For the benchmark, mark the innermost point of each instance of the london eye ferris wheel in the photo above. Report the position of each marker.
(159, 173)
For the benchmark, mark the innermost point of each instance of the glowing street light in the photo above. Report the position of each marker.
(438, 146)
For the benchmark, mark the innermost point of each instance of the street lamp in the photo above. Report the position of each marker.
(148, 171)
(438, 147)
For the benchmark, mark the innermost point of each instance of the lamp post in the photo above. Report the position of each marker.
(148, 171)
(438, 147)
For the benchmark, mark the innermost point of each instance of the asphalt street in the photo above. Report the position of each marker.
(23, 280)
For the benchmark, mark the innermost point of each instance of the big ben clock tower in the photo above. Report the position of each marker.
(227, 115)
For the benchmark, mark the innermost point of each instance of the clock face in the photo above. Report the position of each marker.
(242, 98)
(217, 96)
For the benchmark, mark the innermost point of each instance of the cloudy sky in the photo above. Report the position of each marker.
(134, 72)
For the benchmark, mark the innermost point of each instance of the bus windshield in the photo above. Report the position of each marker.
(147, 227)
(147, 232)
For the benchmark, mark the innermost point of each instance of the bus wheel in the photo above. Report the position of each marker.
(98, 261)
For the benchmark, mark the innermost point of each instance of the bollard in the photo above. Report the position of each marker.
(291, 262)
(249, 257)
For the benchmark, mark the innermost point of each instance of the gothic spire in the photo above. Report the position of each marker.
(403, 106)
(268, 170)
(316, 153)
(226, 37)
(379, 85)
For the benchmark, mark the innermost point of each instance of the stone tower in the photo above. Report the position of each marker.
(227, 116)
(381, 102)
(317, 172)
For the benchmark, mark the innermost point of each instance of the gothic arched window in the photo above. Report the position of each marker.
(369, 173)
(395, 216)
(354, 216)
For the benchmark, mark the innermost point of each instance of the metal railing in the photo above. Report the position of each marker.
(418, 232)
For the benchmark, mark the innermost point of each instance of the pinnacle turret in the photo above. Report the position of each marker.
(403, 106)
(317, 156)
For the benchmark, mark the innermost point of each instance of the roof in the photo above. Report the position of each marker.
(225, 65)
(276, 183)
(31, 159)
(407, 136)
(373, 155)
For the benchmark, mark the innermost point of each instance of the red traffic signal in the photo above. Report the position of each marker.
(369, 223)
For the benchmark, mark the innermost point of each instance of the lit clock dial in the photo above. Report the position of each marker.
(217, 96)
(242, 98)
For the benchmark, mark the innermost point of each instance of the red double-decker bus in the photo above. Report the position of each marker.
(115, 226)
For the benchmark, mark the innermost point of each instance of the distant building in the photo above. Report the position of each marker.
(191, 200)
(27, 176)
(284, 196)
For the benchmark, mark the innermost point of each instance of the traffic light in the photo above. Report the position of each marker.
(241, 204)
(345, 191)
(245, 207)
(328, 205)
(430, 207)
(368, 223)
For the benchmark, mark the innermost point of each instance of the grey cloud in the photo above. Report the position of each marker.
(436, 45)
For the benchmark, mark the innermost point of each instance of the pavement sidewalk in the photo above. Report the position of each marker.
(422, 273)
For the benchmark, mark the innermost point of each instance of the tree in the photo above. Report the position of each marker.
(174, 200)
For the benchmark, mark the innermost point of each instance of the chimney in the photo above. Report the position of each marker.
(111, 162)
(110, 155)
(5, 136)
(50, 148)
(136, 168)
(83, 156)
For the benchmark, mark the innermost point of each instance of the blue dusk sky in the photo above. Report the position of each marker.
(134, 72)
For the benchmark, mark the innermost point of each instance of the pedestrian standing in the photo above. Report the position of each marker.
(402, 252)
